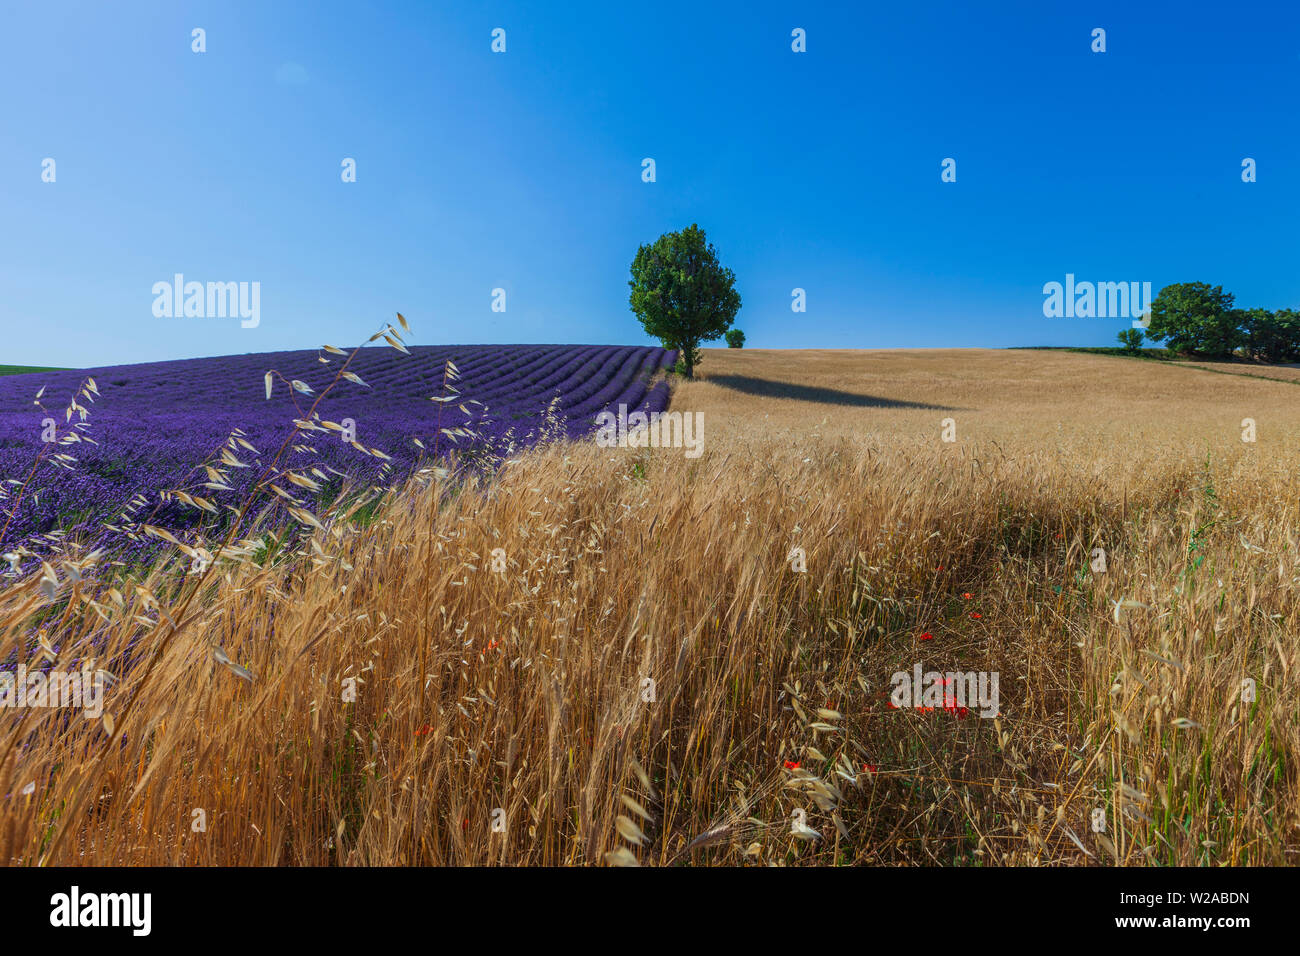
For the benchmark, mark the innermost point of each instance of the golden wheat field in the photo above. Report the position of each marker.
(688, 661)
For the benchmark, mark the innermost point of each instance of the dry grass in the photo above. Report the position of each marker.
(523, 691)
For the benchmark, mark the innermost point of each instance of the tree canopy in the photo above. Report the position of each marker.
(1196, 318)
(682, 294)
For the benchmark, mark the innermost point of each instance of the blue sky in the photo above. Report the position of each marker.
(522, 170)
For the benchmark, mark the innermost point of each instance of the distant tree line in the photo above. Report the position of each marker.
(1197, 319)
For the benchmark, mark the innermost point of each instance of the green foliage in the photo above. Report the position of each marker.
(1131, 339)
(735, 339)
(1271, 336)
(24, 369)
(1196, 318)
(682, 294)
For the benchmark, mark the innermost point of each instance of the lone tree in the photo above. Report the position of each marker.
(735, 339)
(1196, 318)
(1131, 339)
(682, 294)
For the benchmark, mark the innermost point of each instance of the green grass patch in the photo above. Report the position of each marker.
(24, 369)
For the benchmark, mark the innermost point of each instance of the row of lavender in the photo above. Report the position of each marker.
(154, 425)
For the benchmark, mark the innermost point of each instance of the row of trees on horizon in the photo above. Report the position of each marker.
(1199, 320)
(684, 296)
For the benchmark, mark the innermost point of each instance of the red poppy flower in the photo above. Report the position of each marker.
(792, 765)
(950, 701)
(967, 595)
(976, 615)
(869, 767)
(423, 730)
(891, 705)
(927, 636)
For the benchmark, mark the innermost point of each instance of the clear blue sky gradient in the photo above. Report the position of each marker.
(523, 170)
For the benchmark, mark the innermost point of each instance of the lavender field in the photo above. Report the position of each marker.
(152, 427)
